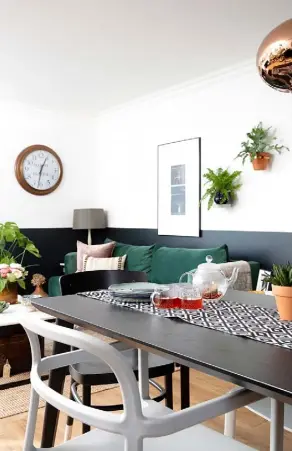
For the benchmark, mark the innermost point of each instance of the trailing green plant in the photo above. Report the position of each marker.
(281, 275)
(260, 139)
(13, 247)
(221, 181)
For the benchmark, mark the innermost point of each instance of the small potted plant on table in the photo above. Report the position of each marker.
(259, 147)
(281, 280)
(13, 247)
(222, 186)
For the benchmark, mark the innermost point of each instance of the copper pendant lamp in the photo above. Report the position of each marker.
(274, 58)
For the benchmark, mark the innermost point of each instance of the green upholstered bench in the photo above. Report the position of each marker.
(162, 264)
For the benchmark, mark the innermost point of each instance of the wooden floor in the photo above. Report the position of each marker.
(251, 429)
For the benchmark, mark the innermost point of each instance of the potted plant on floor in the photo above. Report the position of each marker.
(13, 247)
(281, 280)
(222, 186)
(259, 147)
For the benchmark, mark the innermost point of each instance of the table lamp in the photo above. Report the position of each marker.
(89, 218)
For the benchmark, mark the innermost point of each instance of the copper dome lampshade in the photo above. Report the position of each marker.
(274, 58)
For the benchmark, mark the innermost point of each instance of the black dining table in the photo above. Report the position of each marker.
(262, 368)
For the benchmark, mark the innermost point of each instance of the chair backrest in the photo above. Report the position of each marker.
(131, 424)
(89, 348)
(97, 280)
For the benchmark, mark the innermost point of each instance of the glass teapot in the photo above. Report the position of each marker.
(210, 279)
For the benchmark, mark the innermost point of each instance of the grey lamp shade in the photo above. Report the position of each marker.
(89, 218)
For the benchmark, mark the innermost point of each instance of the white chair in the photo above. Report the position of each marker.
(263, 408)
(271, 410)
(144, 424)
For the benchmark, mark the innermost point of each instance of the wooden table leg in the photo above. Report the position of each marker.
(169, 390)
(184, 387)
(56, 382)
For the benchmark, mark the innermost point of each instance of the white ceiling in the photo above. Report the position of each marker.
(88, 55)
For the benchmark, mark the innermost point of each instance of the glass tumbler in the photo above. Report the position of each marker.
(166, 297)
(190, 297)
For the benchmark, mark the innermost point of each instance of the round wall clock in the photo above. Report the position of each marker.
(39, 169)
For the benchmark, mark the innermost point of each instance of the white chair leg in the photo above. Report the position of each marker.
(68, 433)
(143, 373)
(277, 425)
(133, 445)
(31, 422)
(70, 420)
(230, 424)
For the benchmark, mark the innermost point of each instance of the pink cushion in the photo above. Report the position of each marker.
(95, 250)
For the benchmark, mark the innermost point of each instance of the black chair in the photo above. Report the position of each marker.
(89, 375)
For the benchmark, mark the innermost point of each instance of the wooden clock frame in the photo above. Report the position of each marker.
(19, 169)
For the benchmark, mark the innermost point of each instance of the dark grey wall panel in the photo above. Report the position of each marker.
(265, 247)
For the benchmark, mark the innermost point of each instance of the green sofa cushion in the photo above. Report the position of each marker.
(70, 262)
(169, 264)
(54, 287)
(254, 269)
(139, 258)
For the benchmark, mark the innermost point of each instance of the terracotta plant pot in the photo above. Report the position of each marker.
(261, 162)
(283, 297)
(9, 294)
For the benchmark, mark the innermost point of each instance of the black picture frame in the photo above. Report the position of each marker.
(199, 139)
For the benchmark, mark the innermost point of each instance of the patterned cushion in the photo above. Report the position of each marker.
(96, 250)
(97, 264)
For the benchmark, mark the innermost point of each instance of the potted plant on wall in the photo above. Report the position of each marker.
(259, 147)
(13, 247)
(281, 280)
(222, 186)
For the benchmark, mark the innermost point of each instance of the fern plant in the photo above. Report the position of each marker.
(260, 139)
(223, 182)
(281, 275)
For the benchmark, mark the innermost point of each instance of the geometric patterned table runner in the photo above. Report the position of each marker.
(250, 321)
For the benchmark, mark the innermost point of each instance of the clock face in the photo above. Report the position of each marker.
(38, 169)
(41, 170)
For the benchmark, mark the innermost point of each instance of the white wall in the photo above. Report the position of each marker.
(72, 138)
(111, 162)
(221, 110)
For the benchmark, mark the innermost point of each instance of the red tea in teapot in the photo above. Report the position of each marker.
(211, 295)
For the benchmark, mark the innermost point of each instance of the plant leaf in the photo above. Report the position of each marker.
(221, 181)
(21, 283)
(260, 139)
(3, 283)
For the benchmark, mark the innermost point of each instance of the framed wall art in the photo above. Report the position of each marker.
(260, 283)
(179, 188)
